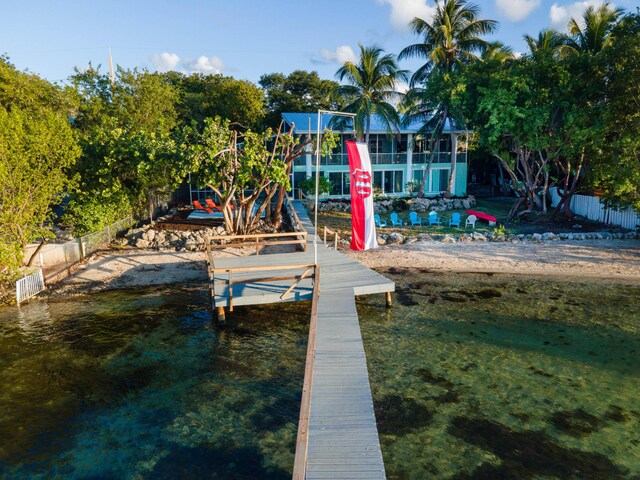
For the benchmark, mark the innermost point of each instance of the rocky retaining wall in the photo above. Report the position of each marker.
(398, 238)
(397, 204)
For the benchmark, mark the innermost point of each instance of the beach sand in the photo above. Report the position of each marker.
(595, 258)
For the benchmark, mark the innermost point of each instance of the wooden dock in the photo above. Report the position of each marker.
(337, 432)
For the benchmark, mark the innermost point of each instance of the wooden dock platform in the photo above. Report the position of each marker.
(337, 434)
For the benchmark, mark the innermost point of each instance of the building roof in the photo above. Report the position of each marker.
(303, 121)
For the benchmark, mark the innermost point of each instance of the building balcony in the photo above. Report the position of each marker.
(376, 159)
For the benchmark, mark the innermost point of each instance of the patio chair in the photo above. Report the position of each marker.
(379, 223)
(471, 220)
(212, 204)
(413, 218)
(455, 220)
(395, 220)
(198, 206)
(433, 218)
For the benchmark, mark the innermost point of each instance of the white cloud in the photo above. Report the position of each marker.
(561, 14)
(517, 10)
(165, 61)
(403, 11)
(172, 61)
(342, 54)
(401, 86)
(204, 64)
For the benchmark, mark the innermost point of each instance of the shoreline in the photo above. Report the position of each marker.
(611, 260)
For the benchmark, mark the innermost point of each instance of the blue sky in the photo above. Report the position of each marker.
(242, 38)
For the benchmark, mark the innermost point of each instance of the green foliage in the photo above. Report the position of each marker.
(500, 230)
(238, 168)
(130, 155)
(616, 168)
(308, 185)
(300, 91)
(412, 187)
(88, 214)
(370, 89)
(138, 100)
(209, 96)
(36, 151)
(29, 93)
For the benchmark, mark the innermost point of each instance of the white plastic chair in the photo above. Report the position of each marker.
(471, 220)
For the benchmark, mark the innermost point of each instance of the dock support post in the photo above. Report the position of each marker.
(222, 319)
(389, 303)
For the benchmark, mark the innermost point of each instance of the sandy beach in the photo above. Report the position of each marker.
(590, 258)
(598, 258)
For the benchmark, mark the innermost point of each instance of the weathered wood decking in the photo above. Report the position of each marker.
(341, 435)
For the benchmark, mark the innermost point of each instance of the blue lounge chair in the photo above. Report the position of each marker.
(395, 221)
(413, 218)
(379, 223)
(433, 218)
(455, 220)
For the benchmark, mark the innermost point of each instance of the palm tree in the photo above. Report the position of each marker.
(595, 33)
(548, 44)
(497, 52)
(371, 89)
(449, 42)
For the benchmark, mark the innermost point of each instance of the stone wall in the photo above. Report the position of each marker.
(389, 205)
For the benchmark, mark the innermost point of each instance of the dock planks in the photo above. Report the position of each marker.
(342, 436)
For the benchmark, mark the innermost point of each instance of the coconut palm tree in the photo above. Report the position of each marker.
(594, 34)
(497, 52)
(548, 44)
(371, 89)
(451, 40)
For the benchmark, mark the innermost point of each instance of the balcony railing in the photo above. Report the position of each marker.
(376, 159)
(423, 157)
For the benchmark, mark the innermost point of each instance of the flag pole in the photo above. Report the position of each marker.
(315, 213)
(112, 75)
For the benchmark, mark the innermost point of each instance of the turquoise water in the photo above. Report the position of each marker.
(473, 376)
(139, 385)
(488, 376)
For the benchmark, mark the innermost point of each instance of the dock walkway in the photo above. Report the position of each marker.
(341, 435)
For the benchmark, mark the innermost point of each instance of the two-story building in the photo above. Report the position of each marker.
(396, 158)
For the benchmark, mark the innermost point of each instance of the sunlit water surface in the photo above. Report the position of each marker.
(473, 376)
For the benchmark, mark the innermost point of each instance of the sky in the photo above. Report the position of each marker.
(240, 38)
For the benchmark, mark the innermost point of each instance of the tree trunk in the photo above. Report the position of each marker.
(35, 254)
(452, 174)
(367, 130)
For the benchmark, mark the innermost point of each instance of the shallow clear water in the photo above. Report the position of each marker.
(482, 376)
(139, 385)
(473, 376)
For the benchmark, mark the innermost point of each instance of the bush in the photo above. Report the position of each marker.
(90, 214)
(308, 185)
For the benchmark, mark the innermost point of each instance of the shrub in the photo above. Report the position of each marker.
(93, 213)
(308, 185)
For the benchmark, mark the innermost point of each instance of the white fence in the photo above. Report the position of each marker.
(29, 286)
(593, 209)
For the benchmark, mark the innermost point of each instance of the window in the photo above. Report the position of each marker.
(377, 180)
(439, 180)
(390, 181)
(403, 144)
(340, 183)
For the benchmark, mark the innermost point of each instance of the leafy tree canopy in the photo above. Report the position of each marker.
(300, 91)
(208, 96)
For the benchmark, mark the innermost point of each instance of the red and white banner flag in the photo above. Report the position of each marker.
(363, 227)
